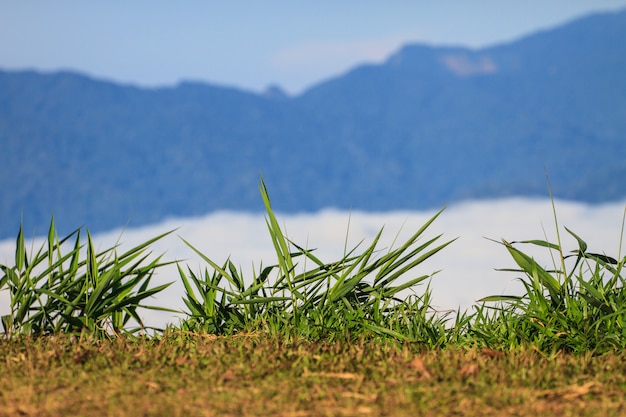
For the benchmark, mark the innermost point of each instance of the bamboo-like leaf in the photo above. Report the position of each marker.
(398, 252)
(75, 254)
(195, 308)
(188, 290)
(498, 298)
(5, 279)
(533, 269)
(92, 262)
(369, 251)
(102, 285)
(582, 245)
(383, 330)
(56, 296)
(136, 299)
(20, 250)
(344, 284)
(236, 276)
(144, 245)
(251, 290)
(413, 264)
(213, 264)
(340, 291)
(51, 241)
(536, 242)
(390, 292)
(598, 303)
(261, 300)
(279, 241)
(390, 266)
(602, 258)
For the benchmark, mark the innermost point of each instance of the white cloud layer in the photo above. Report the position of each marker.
(467, 266)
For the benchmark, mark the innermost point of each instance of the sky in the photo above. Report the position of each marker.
(253, 44)
(467, 266)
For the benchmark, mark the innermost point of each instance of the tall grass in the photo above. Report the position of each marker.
(77, 291)
(353, 296)
(576, 305)
(579, 305)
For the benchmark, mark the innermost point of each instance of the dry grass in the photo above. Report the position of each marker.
(182, 375)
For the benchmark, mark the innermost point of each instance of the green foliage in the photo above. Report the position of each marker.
(578, 305)
(350, 297)
(577, 308)
(56, 292)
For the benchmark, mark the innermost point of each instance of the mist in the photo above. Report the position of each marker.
(467, 268)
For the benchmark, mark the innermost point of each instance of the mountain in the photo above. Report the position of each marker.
(428, 127)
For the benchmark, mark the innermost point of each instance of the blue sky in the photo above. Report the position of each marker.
(253, 44)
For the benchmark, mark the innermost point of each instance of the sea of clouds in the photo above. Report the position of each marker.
(467, 266)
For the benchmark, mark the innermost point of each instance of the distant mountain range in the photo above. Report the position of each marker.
(428, 127)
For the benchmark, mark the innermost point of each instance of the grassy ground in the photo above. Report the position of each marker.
(184, 375)
(306, 337)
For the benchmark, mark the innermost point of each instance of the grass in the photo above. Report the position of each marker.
(346, 298)
(180, 374)
(305, 336)
(579, 307)
(98, 293)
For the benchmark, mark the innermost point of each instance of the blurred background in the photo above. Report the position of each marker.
(148, 116)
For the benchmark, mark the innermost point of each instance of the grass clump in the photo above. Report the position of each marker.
(578, 306)
(354, 296)
(307, 337)
(81, 291)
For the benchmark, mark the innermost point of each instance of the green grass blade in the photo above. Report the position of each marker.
(534, 270)
(20, 250)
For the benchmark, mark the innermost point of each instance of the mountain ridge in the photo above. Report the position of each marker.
(427, 127)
